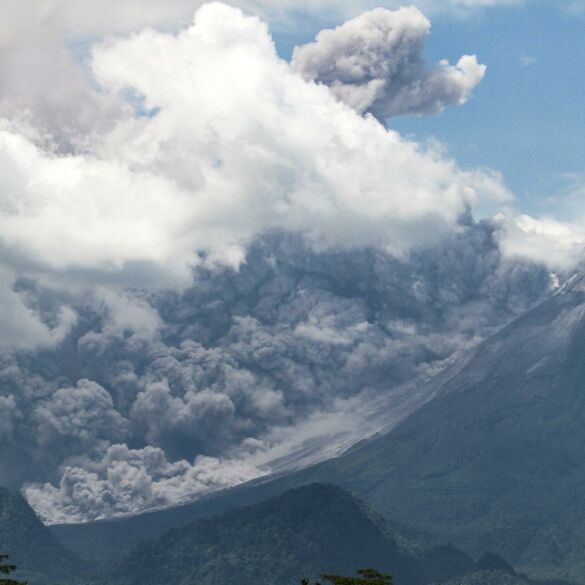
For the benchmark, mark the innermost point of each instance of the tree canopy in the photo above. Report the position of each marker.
(365, 577)
(7, 569)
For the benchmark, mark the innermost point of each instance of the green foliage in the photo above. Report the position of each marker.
(366, 577)
(312, 530)
(6, 569)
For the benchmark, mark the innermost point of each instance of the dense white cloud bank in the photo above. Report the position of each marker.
(554, 243)
(39, 73)
(375, 63)
(229, 142)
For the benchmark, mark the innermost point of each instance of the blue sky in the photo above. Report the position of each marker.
(526, 119)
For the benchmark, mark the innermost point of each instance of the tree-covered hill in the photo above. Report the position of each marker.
(38, 555)
(308, 531)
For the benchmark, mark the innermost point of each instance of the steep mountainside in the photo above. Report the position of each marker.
(497, 459)
(31, 546)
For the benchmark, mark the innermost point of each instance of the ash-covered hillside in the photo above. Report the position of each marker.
(495, 460)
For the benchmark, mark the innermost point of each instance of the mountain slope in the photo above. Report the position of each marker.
(309, 531)
(31, 546)
(497, 459)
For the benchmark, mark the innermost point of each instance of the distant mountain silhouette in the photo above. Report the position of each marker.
(303, 532)
(312, 530)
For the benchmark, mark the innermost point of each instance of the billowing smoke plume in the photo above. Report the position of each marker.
(219, 269)
(267, 367)
(375, 63)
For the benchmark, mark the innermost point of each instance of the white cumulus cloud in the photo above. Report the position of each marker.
(560, 245)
